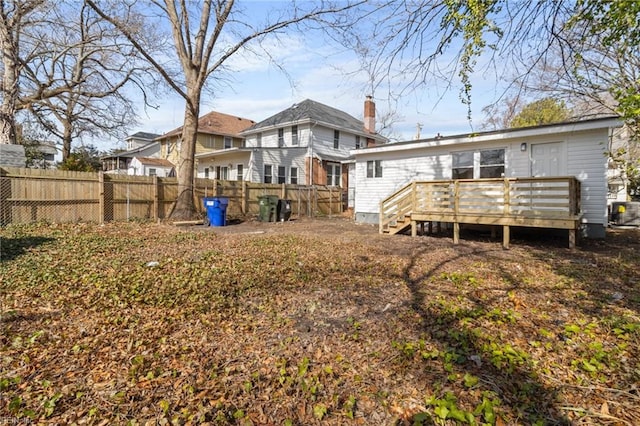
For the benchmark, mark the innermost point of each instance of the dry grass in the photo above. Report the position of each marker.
(315, 322)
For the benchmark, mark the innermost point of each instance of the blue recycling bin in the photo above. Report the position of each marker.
(216, 208)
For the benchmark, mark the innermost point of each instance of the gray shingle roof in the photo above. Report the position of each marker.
(313, 111)
(12, 155)
(143, 135)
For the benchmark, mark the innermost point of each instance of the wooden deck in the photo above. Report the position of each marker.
(528, 202)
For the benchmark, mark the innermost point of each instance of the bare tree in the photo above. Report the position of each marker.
(499, 115)
(66, 70)
(97, 71)
(205, 36)
(15, 18)
(405, 44)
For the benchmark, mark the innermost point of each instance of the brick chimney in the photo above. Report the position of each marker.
(370, 119)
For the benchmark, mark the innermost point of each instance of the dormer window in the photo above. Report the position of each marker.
(228, 142)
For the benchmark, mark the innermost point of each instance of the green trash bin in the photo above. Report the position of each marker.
(263, 202)
(268, 208)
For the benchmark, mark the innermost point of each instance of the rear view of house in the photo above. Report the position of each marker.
(568, 150)
(308, 143)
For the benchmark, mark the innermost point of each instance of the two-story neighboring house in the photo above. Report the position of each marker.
(216, 132)
(307, 143)
(139, 145)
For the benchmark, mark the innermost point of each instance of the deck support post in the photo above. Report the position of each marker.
(414, 228)
(456, 233)
(572, 238)
(494, 232)
(505, 237)
(430, 228)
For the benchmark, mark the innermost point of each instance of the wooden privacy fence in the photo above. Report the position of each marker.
(33, 195)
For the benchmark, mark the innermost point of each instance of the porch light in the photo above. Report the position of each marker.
(523, 146)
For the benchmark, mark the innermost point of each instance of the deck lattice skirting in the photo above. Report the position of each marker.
(542, 202)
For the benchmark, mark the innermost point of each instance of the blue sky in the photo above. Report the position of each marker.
(326, 73)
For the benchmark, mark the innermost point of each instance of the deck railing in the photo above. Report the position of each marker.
(552, 202)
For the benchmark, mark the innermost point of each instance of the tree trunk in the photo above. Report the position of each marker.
(9, 87)
(185, 208)
(66, 140)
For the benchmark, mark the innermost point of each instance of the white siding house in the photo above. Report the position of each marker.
(139, 145)
(308, 143)
(142, 166)
(566, 149)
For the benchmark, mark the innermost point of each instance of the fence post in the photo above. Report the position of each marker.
(283, 191)
(101, 202)
(244, 201)
(330, 201)
(156, 198)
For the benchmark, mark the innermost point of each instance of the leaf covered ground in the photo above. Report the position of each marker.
(315, 322)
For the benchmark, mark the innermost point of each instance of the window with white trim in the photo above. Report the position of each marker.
(222, 172)
(486, 163)
(294, 135)
(334, 174)
(492, 163)
(293, 175)
(357, 141)
(374, 169)
(462, 165)
(282, 174)
(336, 139)
(268, 173)
(239, 172)
(228, 142)
(206, 173)
(280, 138)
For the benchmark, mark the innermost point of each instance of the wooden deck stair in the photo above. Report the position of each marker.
(530, 202)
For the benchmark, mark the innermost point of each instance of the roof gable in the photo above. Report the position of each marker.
(217, 123)
(310, 111)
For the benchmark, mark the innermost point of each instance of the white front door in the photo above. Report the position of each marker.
(548, 159)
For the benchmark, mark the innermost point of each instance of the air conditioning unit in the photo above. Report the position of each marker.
(625, 213)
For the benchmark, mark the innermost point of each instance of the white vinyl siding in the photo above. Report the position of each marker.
(269, 138)
(584, 157)
(287, 157)
(587, 161)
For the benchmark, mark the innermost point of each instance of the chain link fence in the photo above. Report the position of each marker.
(26, 198)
